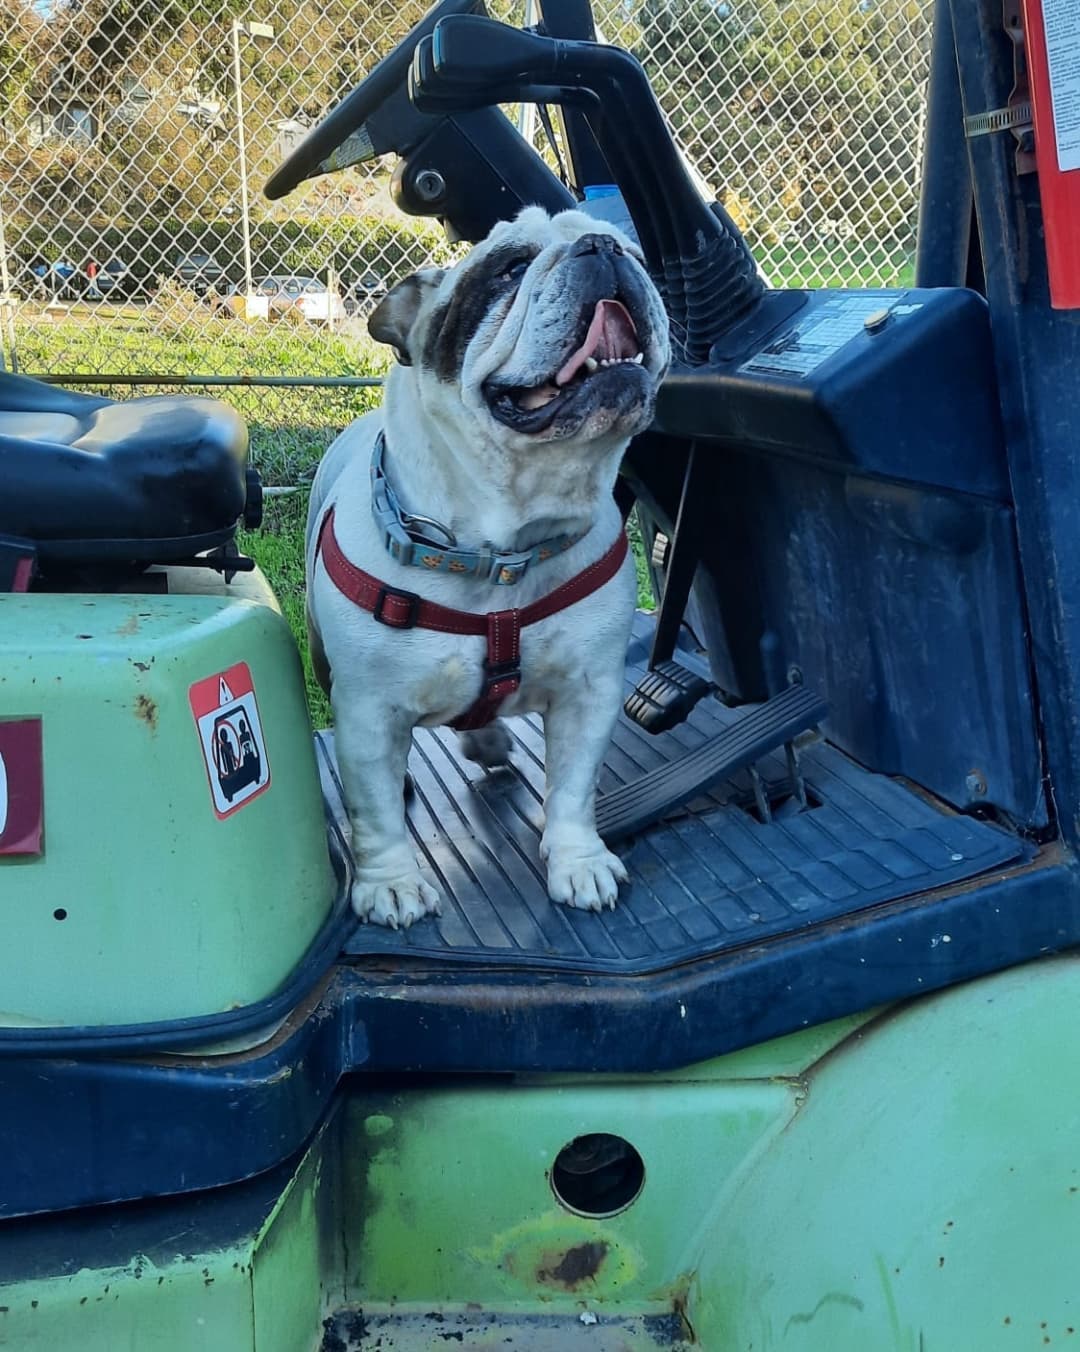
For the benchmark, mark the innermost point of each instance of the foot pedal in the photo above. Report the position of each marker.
(664, 697)
(771, 725)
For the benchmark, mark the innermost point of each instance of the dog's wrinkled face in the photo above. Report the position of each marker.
(550, 330)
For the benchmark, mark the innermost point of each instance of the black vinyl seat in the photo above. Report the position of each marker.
(88, 480)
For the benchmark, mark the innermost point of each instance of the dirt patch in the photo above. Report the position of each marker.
(146, 709)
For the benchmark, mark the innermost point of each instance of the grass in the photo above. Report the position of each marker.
(870, 264)
(289, 428)
(278, 548)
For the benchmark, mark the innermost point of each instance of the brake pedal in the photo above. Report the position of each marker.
(664, 697)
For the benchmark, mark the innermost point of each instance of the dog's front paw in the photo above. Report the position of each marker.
(583, 873)
(395, 901)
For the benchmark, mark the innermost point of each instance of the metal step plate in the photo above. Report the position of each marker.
(710, 879)
(366, 1330)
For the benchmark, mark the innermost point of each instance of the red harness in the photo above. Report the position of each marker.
(502, 628)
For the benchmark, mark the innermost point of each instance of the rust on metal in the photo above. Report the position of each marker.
(573, 1267)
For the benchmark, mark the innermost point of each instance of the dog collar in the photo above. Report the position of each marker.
(502, 628)
(408, 545)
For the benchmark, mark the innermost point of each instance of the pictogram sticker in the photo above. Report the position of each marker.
(231, 736)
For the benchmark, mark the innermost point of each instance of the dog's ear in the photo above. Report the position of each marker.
(393, 318)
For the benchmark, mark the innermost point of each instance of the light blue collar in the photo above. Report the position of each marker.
(408, 545)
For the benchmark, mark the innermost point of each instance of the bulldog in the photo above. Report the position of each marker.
(465, 555)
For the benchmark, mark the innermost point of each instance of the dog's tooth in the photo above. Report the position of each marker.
(638, 359)
(591, 364)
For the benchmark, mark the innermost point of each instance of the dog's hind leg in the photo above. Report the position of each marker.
(372, 752)
(488, 746)
(582, 871)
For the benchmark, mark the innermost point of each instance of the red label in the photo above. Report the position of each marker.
(231, 737)
(22, 781)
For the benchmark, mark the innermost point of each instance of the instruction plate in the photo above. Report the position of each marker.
(1063, 58)
(802, 349)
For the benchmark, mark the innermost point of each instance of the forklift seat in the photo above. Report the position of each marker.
(91, 480)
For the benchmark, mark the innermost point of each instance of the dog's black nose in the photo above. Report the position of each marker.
(597, 244)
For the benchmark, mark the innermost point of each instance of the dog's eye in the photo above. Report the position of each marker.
(516, 270)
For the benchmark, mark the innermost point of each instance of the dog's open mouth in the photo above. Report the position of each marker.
(611, 349)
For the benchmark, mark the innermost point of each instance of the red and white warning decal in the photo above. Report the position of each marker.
(231, 736)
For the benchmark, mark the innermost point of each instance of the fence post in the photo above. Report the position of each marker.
(8, 356)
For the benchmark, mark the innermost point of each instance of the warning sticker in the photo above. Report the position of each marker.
(1063, 55)
(801, 349)
(231, 736)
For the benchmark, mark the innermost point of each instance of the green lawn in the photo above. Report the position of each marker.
(857, 264)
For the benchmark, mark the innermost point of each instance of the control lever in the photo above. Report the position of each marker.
(707, 275)
(430, 94)
(483, 51)
(438, 81)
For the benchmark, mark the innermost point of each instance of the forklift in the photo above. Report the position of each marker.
(807, 1087)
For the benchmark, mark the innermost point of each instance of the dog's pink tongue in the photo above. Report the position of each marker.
(611, 336)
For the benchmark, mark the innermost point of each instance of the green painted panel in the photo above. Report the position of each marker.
(449, 1195)
(180, 1306)
(144, 904)
(915, 1189)
(927, 1196)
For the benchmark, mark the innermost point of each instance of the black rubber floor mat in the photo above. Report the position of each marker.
(710, 878)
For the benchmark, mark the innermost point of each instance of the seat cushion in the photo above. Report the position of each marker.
(62, 427)
(86, 477)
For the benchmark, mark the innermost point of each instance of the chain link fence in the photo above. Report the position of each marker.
(135, 136)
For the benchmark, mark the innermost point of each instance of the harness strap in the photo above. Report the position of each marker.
(502, 628)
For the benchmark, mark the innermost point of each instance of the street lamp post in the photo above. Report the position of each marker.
(7, 303)
(254, 30)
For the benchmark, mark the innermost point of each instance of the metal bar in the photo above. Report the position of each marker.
(945, 193)
(241, 146)
(682, 561)
(281, 382)
(586, 162)
(1038, 354)
(7, 337)
(527, 111)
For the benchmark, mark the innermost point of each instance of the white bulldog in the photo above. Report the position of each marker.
(524, 372)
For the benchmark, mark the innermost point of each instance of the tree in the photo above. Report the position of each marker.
(801, 112)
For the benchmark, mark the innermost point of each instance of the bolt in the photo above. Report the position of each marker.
(794, 675)
(430, 186)
(975, 784)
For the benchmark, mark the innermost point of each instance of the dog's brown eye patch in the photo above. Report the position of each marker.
(453, 325)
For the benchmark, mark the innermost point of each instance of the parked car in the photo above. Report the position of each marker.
(306, 294)
(365, 293)
(199, 272)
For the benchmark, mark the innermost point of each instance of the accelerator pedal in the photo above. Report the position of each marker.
(771, 725)
(667, 692)
(664, 697)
